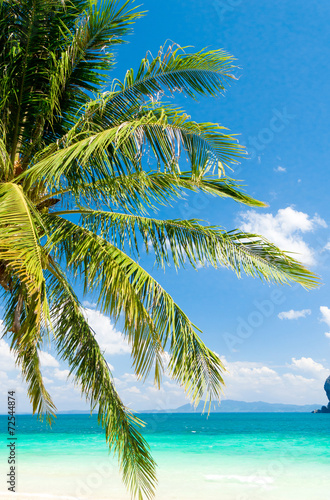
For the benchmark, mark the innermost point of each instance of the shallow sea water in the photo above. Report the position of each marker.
(238, 456)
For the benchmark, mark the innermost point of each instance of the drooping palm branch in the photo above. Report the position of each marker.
(84, 160)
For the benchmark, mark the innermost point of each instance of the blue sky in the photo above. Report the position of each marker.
(273, 339)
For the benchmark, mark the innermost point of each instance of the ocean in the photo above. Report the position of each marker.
(232, 456)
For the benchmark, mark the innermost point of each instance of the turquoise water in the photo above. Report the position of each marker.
(225, 456)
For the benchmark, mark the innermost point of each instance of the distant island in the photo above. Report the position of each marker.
(226, 406)
(230, 406)
(325, 409)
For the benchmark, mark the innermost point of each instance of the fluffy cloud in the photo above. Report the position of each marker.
(325, 311)
(129, 377)
(245, 381)
(47, 380)
(133, 390)
(308, 365)
(61, 375)
(146, 396)
(65, 394)
(285, 229)
(294, 314)
(280, 169)
(86, 303)
(47, 360)
(110, 340)
(300, 383)
(7, 360)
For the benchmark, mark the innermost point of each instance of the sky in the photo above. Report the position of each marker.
(274, 341)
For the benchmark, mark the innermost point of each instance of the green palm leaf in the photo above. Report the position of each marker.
(82, 66)
(142, 190)
(153, 322)
(118, 150)
(77, 345)
(189, 240)
(201, 73)
(74, 143)
(19, 241)
(5, 166)
(27, 311)
(26, 332)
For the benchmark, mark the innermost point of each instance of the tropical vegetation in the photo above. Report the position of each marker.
(85, 162)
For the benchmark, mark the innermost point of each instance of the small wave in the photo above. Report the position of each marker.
(262, 480)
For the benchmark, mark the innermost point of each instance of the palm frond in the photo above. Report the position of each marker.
(77, 345)
(188, 240)
(29, 361)
(82, 67)
(19, 243)
(55, 54)
(173, 70)
(25, 330)
(25, 64)
(118, 150)
(110, 157)
(140, 191)
(5, 164)
(153, 321)
(27, 312)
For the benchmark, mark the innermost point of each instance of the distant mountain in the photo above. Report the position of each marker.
(64, 412)
(74, 412)
(226, 406)
(230, 406)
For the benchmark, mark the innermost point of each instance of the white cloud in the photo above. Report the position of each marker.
(7, 359)
(47, 360)
(297, 381)
(294, 314)
(65, 394)
(110, 340)
(68, 397)
(325, 311)
(92, 305)
(145, 396)
(129, 377)
(133, 390)
(280, 169)
(48, 380)
(61, 374)
(319, 221)
(285, 230)
(172, 386)
(300, 383)
(308, 365)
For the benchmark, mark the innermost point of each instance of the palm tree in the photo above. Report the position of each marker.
(84, 161)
